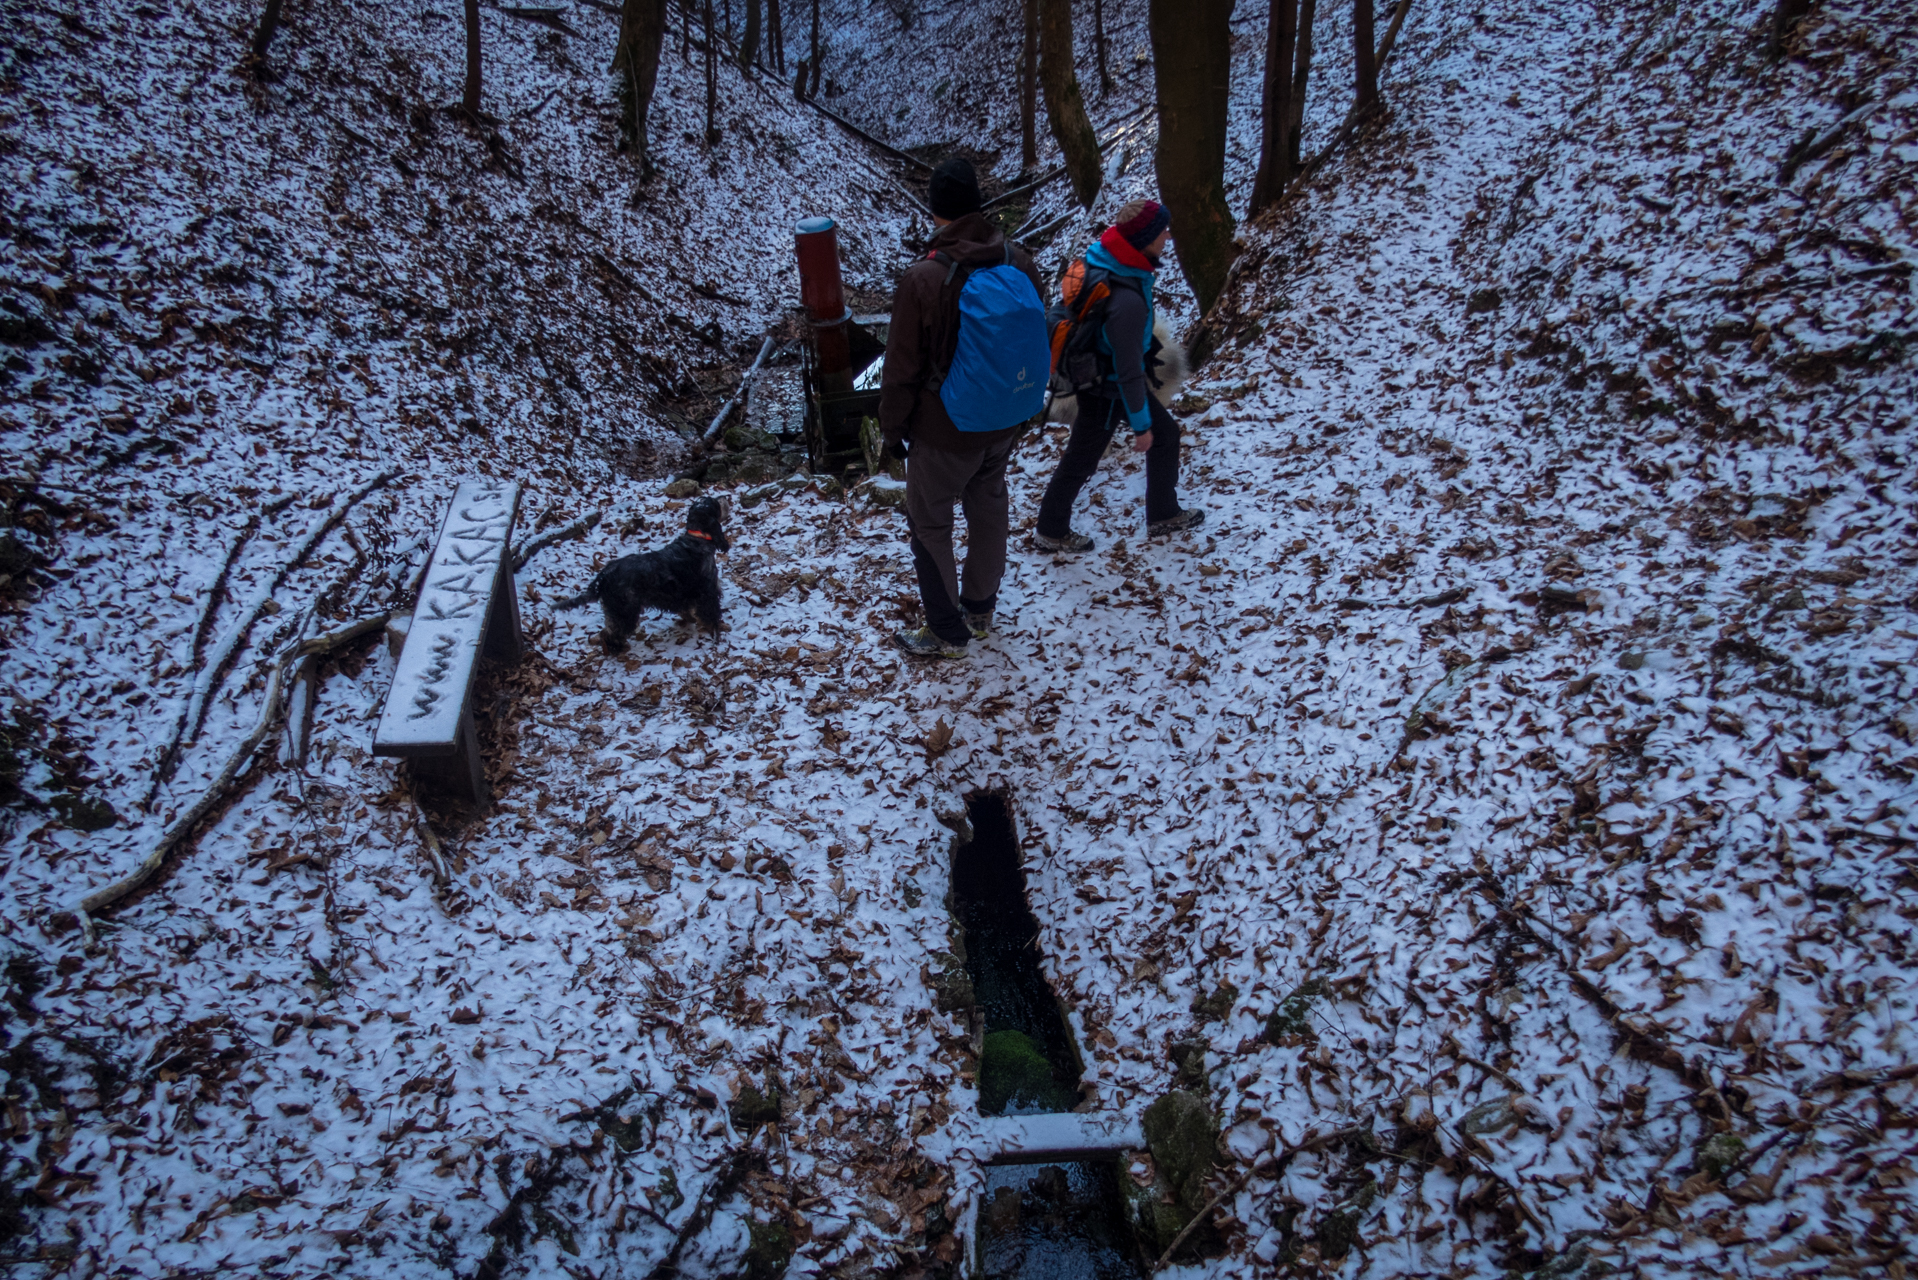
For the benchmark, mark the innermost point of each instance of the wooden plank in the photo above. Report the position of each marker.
(467, 606)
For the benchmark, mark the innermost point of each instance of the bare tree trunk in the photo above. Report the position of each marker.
(470, 101)
(1192, 57)
(775, 38)
(269, 23)
(1275, 111)
(812, 91)
(1065, 106)
(1099, 43)
(1783, 19)
(749, 43)
(1295, 126)
(1029, 89)
(1364, 59)
(712, 78)
(642, 34)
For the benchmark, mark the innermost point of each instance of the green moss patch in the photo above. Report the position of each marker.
(1014, 1073)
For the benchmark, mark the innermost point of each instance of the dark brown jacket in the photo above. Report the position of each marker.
(925, 316)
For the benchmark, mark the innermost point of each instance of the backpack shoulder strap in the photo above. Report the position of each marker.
(953, 266)
(946, 342)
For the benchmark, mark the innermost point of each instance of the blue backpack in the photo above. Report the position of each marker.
(1002, 359)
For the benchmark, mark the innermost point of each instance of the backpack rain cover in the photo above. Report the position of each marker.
(1003, 358)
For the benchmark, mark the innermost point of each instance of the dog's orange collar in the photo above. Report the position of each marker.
(694, 533)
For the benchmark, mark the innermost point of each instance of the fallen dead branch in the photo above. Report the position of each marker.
(270, 710)
(578, 529)
(149, 866)
(1635, 1040)
(210, 606)
(1058, 171)
(1053, 225)
(739, 393)
(342, 636)
(542, 15)
(863, 136)
(1811, 147)
(1452, 596)
(224, 653)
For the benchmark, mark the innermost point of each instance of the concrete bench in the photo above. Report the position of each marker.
(467, 607)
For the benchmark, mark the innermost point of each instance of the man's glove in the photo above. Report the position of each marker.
(894, 447)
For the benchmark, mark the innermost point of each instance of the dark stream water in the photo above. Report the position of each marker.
(1046, 1221)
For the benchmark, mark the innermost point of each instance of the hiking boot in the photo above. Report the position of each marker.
(1175, 524)
(1073, 543)
(980, 624)
(925, 643)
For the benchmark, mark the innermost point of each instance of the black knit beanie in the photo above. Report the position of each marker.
(954, 191)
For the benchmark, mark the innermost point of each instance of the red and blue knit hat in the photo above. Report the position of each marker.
(1144, 226)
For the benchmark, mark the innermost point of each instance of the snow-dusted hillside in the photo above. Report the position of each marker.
(1577, 906)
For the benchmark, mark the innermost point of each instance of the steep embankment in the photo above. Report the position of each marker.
(1541, 889)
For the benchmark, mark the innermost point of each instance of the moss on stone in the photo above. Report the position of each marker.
(1013, 1072)
(1338, 1232)
(1183, 1136)
(1293, 1017)
(951, 986)
(1719, 1153)
(1160, 1224)
(770, 1252)
(1216, 1007)
(1188, 1056)
(751, 1109)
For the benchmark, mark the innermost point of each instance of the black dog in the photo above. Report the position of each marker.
(681, 577)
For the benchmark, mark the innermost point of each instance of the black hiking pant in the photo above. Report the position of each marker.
(976, 480)
(1091, 434)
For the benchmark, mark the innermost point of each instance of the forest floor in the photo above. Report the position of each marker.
(1553, 926)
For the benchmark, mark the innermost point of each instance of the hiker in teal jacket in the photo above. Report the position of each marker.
(1129, 252)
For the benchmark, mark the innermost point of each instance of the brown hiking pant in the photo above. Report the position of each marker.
(935, 480)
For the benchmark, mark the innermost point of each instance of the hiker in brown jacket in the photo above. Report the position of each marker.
(945, 465)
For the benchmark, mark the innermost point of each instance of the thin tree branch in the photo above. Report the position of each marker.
(1276, 1170)
(579, 528)
(270, 710)
(725, 410)
(149, 867)
(225, 651)
(861, 134)
(210, 606)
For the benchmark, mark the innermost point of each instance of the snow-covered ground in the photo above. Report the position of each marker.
(1540, 890)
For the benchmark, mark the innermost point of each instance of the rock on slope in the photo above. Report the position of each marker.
(1575, 905)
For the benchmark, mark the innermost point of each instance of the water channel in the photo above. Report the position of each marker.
(1053, 1221)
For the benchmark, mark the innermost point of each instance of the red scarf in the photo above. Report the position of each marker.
(1121, 248)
